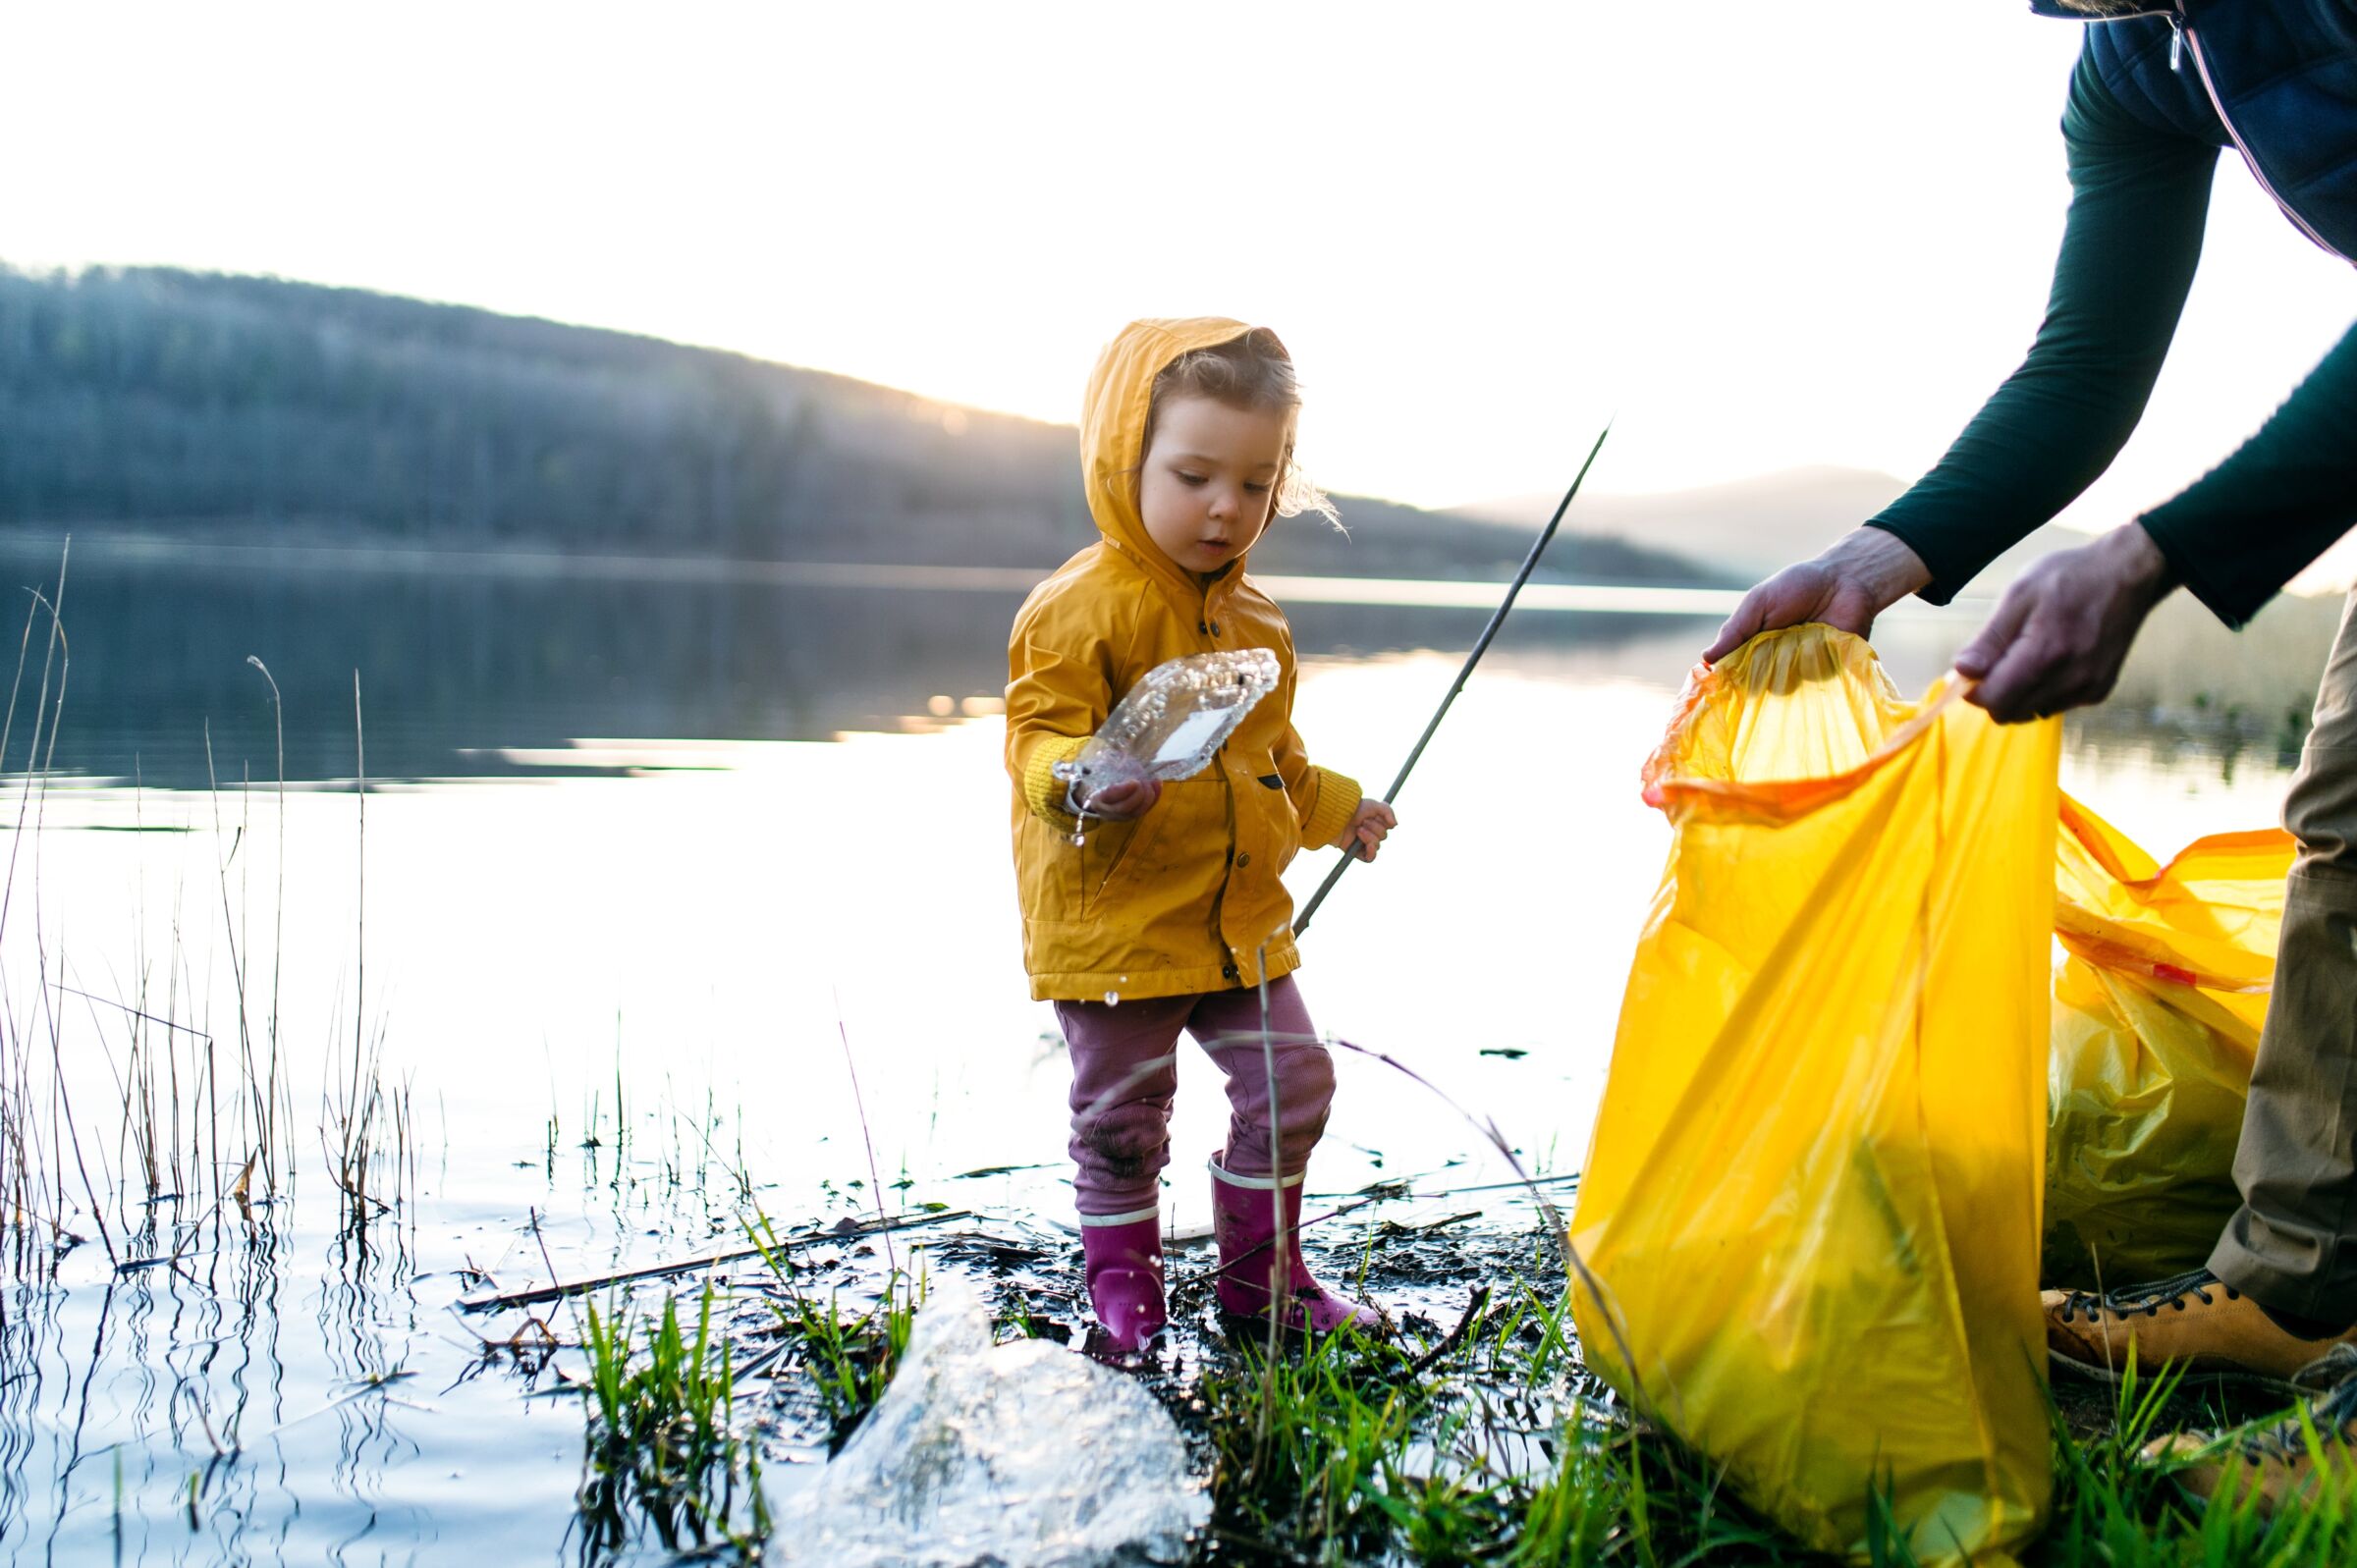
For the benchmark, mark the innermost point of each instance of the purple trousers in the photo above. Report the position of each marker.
(1126, 1077)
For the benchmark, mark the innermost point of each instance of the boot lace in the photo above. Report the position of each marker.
(2336, 1412)
(2333, 1372)
(2332, 1416)
(2130, 1300)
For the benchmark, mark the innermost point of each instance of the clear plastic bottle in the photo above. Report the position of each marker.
(1168, 724)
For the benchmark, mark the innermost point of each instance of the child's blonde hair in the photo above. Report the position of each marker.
(1251, 372)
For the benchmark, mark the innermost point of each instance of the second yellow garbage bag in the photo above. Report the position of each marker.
(1810, 1213)
(2157, 1005)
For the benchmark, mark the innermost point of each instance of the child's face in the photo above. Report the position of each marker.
(1210, 479)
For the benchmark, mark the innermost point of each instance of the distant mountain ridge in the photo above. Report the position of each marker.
(1747, 527)
(259, 409)
(1751, 527)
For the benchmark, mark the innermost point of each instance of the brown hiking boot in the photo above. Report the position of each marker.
(2279, 1463)
(2214, 1332)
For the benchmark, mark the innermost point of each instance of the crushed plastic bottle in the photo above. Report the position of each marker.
(1022, 1455)
(1168, 724)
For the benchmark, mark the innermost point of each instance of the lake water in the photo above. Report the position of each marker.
(697, 864)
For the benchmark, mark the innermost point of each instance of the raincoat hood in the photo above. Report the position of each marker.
(1113, 432)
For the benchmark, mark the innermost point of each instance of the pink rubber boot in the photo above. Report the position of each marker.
(1123, 1263)
(1243, 1221)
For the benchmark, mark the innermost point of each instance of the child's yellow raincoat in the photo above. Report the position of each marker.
(1182, 899)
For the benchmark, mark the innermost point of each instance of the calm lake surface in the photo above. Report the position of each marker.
(693, 864)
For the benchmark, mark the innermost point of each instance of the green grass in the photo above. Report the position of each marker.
(1301, 1444)
(1353, 1451)
(669, 1452)
(849, 1361)
(2117, 1509)
(1491, 1444)
(662, 1445)
(1349, 1452)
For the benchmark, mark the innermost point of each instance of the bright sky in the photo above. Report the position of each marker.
(1765, 234)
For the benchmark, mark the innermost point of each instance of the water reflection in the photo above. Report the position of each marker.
(469, 663)
(246, 1404)
(485, 665)
(457, 666)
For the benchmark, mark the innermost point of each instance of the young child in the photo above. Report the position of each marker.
(1157, 921)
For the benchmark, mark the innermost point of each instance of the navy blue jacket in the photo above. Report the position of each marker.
(2276, 79)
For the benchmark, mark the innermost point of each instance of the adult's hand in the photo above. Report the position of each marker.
(2063, 630)
(1864, 573)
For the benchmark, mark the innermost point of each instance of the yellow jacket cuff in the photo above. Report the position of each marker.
(1043, 791)
(1337, 803)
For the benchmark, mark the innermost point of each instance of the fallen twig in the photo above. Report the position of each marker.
(1456, 1337)
(573, 1287)
(1393, 1227)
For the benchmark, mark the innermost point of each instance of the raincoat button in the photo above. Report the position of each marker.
(1203, 627)
(1215, 628)
(1243, 859)
(1229, 971)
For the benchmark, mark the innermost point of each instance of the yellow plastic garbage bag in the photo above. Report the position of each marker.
(2158, 1004)
(1811, 1206)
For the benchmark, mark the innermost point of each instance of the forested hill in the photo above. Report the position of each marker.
(175, 401)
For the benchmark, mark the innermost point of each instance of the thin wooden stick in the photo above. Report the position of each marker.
(1456, 1336)
(573, 1287)
(1488, 633)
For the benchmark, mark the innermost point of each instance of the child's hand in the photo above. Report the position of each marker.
(1367, 829)
(1120, 802)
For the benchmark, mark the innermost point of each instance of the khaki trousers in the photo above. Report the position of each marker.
(2292, 1246)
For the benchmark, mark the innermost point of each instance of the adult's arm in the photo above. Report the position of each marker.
(2131, 244)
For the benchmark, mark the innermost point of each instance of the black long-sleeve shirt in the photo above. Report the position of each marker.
(2133, 237)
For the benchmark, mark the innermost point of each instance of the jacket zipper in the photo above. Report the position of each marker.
(2180, 40)
(2047, 7)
